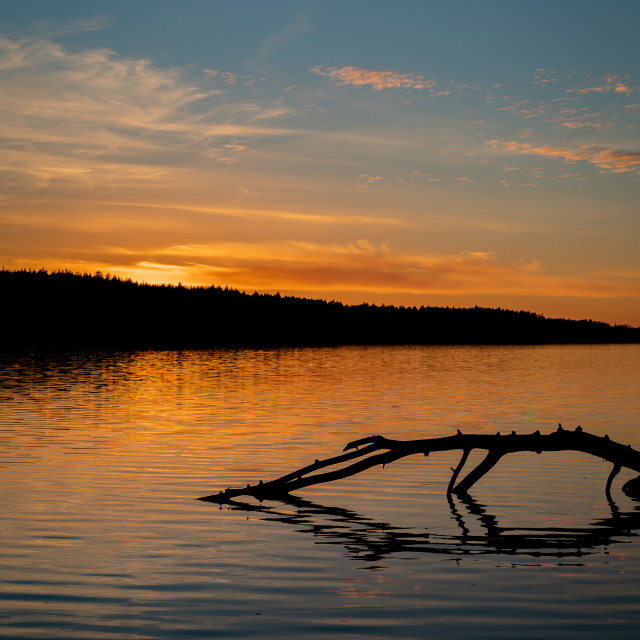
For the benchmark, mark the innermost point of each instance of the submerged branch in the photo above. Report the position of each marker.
(614, 472)
(484, 467)
(381, 450)
(457, 470)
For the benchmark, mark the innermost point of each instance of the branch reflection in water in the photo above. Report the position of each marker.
(372, 541)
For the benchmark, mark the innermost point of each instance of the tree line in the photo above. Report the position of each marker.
(67, 310)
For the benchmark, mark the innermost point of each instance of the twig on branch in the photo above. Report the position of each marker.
(378, 450)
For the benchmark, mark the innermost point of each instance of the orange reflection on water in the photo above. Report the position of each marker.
(104, 454)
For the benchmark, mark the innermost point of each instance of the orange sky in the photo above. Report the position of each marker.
(316, 167)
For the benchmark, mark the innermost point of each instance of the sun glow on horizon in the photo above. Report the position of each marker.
(356, 175)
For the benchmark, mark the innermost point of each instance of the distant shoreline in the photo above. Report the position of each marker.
(65, 311)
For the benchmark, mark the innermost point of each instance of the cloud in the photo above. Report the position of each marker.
(610, 84)
(605, 158)
(374, 78)
(586, 104)
(228, 77)
(51, 28)
(580, 118)
(236, 148)
(48, 93)
(337, 269)
(364, 180)
(344, 267)
(94, 118)
(301, 26)
(544, 76)
(576, 124)
(242, 212)
(91, 122)
(526, 109)
(331, 269)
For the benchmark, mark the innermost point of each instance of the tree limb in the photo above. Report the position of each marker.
(614, 472)
(381, 450)
(472, 477)
(457, 470)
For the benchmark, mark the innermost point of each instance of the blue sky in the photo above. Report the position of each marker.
(454, 153)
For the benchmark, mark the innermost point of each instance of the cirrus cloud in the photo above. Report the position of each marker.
(361, 266)
(93, 118)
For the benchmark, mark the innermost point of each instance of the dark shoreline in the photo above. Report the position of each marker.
(67, 311)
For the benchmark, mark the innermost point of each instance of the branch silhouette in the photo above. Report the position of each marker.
(378, 450)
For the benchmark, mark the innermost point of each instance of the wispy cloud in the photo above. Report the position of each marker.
(229, 77)
(365, 180)
(329, 269)
(573, 103)
(243, 212)
(525, 108)
(50, 28)
(605, 158)
(98, 118)
(374, 78)
(359, 266)
(580, 124)
(289, 33)
(352, 266)
(545, 76)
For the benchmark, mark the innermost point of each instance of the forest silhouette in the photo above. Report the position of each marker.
(66, 310)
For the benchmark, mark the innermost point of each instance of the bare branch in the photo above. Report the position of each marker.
(457, 470)
(614, 472)
(484, 467)
(496, 446)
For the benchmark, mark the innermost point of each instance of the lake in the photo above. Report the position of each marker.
(104, 455)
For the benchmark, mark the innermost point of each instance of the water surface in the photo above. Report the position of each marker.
(104, 454)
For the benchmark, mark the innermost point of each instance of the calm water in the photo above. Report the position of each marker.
(104, 455)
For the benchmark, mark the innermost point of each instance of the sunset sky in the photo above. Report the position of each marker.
(411, 152)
